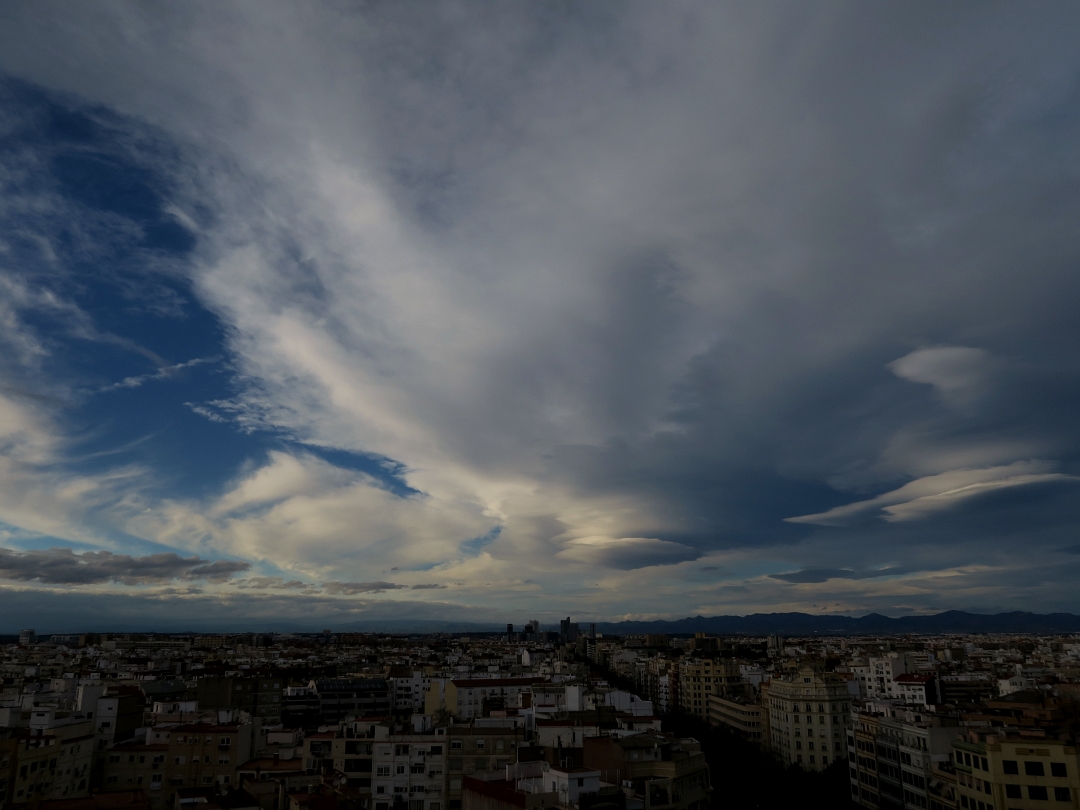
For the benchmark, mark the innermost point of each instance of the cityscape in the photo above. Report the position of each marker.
(535, 718)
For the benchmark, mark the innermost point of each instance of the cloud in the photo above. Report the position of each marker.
(273, 583)
(816, 575)
(163, 373)
(352, 588)
(930, 495)
(64, 566)
(626, 552)
(616, 288)
(959, 373)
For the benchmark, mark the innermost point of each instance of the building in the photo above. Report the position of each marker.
(408, 689)
(42, 764)
(1011, 771)
(877, 678)
(701, 678)
(258, 696)
(410, 768)
(739, 715)
(475, 751)
(465, 698)
(809, 713)
(115, 718)
(659, 769)
(344, 698)
(920, 689)
(194, 755)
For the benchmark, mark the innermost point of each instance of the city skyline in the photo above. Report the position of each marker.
(477, 313)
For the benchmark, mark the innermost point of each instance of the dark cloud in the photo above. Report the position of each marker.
(350, 588)
(273, 583)
(62, 566)
(814, 575)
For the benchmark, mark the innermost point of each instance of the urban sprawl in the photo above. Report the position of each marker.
(528, 719)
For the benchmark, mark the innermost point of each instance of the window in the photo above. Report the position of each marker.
(1034, 768)
(436, 749)
(1058, 769)
(1010, 766)
(455, 745)
(382, 770)
(480, 745)
(1037, 792)
(400, 769)
(1062, 794)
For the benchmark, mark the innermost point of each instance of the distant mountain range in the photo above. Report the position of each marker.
(757, 624)
(805, 624)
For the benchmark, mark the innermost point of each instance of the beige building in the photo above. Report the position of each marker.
(54, 764)
(465, 698)
(185, 756)
(739, 715)
(477, 751)
(809, 712)
(1007, 771)
(699, 679)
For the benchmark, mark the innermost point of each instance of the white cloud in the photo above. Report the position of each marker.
(926, 496)
(959, 373)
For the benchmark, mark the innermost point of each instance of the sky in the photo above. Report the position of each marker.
(330, 313)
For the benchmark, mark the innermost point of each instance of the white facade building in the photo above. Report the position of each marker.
(809, 713)
(411, 768)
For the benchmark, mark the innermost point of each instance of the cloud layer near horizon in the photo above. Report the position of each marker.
(625, 310)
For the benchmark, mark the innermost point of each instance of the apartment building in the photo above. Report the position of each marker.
(407, 690)
(661, 770)
(41, 764)
(136, 766)
(410, 768)
(194, 755)
(347, 750)
(115, 718)
(476, 751)
(258, 696)
(342, 698)
(877, 678)
(924, 746)
(701, 678)
(739, 715)
(809, 713)
(465, 698)
(862, 760)
(1005, 771)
